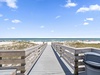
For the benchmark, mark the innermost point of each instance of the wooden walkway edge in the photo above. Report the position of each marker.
(47, 64)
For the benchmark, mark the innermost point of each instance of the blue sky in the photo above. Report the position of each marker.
(49, 18)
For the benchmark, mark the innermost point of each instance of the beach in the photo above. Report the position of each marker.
(4, 43)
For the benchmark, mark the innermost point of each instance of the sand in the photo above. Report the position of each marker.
(3, 43)
(91, 42)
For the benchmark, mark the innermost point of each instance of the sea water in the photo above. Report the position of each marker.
(49, 39)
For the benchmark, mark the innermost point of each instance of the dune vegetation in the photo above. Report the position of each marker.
(17, 45)
(82, 45)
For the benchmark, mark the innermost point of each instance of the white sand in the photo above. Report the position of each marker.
(49, 43)
(37, 42)
(91, 42)
(2, 43)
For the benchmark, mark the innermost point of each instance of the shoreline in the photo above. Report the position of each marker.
(49, 42)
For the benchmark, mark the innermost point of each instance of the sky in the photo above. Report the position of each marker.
(49, 18)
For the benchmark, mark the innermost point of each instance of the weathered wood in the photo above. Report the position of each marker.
(69, 54)
(35, 57)
(0, 60)
(68, 63)
(76, 65)
(79, 57)
(11, 53)
(73, 55)
(69, 58)
(13, 67)
(30, 57)
(81, 69)
(29, 65)
(20, 74)
(80, 63)
(30, 50)
(22, 60)
(72, 50)
(12, 61)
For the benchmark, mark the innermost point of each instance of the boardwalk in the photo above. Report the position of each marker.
(47, 64)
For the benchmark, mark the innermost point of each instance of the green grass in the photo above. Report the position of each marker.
(17, 46)
(82, 45)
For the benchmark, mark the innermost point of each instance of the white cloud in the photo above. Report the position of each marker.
(58, 17)
(10, 3)
(1, 15)
(70, 4)
(41, 26)
(90, 19)
(90, 8)
(85, 23)
(83, 9)
(16, 21)
(13, 28)
(6, 19)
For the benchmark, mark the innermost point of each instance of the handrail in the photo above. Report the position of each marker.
(72, 56)
(21, 60)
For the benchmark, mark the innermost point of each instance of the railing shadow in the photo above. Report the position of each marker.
(64, 67)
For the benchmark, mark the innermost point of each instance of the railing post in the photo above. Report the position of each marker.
(56, 47)
(0, 59)
(23, 64)
(61, 52)
(76, 65)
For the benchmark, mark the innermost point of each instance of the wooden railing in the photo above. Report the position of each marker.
(73, 56)
(21, 60)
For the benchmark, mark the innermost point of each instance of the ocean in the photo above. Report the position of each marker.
(49, 39)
